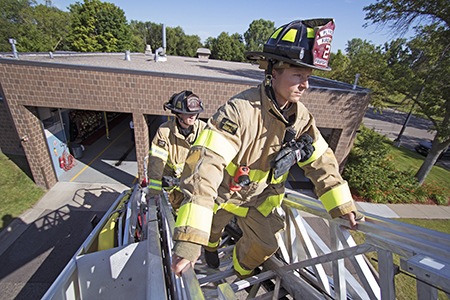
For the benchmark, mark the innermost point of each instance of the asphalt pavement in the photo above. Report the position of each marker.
(35, 247)
(389, 122)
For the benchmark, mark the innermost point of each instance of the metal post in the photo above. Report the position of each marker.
(386, 268)
(106, 125)
(356, 81)
(398, 140)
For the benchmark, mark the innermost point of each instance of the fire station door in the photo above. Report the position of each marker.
(56, 141)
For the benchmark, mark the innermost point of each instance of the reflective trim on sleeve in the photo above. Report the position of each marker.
(237, 266)
(216, 142)
(272, 201)
(232, 208)
(336, 196)
(159, 152)
(255, 175)
(320, 146)
(195, 216)
(154, 184)
(309, 32)
(280, 179)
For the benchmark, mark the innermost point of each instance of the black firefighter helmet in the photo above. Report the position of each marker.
(185, 102)
(303, 43)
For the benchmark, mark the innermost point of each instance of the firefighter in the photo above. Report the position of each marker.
(260, 133)
(171, 145)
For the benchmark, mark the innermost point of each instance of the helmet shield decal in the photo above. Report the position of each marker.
(185, 102)
(194, 104)
(322, 44)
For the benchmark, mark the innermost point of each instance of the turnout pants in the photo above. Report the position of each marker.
(257, 243)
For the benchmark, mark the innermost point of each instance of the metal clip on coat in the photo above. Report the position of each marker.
(240, 179)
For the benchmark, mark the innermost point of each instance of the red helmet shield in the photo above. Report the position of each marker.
(193, 103)
(322, 45)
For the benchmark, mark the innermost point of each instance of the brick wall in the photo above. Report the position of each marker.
(9, 139)
(32, 84)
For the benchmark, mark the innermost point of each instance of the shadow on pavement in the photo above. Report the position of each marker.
(398, 117)
(40, 253)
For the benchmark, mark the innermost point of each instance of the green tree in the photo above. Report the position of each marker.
(146, 33)
(257, 34)
(44, 28)
(99, 27)
(226, 47)
(11, 19)
(178, 43)
(428, 60)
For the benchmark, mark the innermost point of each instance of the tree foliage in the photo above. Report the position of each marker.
(44, 28)
(11, 19)
(226, 47)
(423, 62)
(257, 34)
(98, 27)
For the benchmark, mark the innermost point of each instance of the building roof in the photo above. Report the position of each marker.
(174, 65)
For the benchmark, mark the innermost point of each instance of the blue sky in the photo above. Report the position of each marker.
(210, 18)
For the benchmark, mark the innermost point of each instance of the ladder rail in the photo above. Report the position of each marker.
(424, 253)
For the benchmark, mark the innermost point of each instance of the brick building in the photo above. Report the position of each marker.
(38, 88)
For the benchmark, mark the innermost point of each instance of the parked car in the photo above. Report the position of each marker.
(425, 147)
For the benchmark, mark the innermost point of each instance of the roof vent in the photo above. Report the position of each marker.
(127, 55)
(160, 53)
(203, 54)
(148, 50)
(13, 44)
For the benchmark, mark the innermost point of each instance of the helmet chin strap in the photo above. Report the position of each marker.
(180, 119)
(268, 84)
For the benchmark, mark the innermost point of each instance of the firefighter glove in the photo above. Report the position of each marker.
(294, 151)
(169, 181)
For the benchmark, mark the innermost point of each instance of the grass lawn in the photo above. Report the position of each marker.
(410, 161)
(18, 191)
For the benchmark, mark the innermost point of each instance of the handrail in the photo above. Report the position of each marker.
(424, 253)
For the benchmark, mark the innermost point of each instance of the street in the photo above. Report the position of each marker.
(389, 123)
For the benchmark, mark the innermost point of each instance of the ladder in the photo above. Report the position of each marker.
(318, 258)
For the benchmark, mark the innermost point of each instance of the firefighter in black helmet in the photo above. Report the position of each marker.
(171, 145)
(267, 129)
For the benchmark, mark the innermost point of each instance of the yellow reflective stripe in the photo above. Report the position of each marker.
(320, 146)
(237, 266)
(195, 216)
(154, 184)
(173, 187)
(178, 166)
(216, 142)
(290, 35)
(336, 196)
(159, 152)
(310, 32)
(255, 175)
(213, 245)
(275, 34)
(232, 208)
(272, 201)
(231, 169)
(280, 179)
